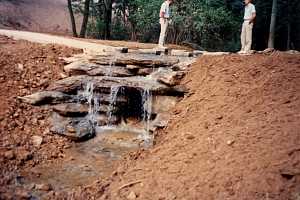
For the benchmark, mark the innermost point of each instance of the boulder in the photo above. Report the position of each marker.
(160, 121)
(76, 128)
(168, 76)
(163, 103)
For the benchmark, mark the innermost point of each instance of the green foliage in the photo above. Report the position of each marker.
(211, 24)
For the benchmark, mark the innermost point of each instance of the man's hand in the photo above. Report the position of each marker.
(252, 18)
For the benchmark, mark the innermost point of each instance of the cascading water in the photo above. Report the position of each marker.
(96, 108)
(111, 65)
(112, 102)
(147, 110)
(93, 101)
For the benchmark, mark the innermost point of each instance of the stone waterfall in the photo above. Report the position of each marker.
(125, 91)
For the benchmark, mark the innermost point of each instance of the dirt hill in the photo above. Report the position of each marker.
(35, 15)
(235, 136)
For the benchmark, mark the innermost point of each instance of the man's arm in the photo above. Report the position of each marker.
(252, 18)
(162, 14)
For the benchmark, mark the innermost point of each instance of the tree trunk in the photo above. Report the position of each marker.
(272, 25)
(288, 43)
(72, 18)
(107, 18)
(85, 20)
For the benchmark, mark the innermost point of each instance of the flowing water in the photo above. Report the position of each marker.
(147, 111)
(111, 65)
(112, 102)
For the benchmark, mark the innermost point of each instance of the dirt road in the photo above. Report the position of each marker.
(51, 39)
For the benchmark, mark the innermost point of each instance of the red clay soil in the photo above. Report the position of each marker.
(26, 68)
(235, 136)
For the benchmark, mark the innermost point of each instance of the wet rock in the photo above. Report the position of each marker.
(160, 121)
(80, 110)
(71, 109)
(92, 69)
(182, 65)
(135, 59)
(168, 77)
(37, 141)
(144, 71)
(76, 128)
(50, 97)
(103, 83)
(102, 119)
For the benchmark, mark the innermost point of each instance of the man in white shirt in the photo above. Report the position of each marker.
(164, 16)
(246, 35)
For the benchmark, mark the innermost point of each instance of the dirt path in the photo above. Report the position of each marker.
(50, 39)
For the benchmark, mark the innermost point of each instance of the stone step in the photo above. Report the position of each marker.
(77, 110)
(104, 84)
(54, 97)
(93, 69)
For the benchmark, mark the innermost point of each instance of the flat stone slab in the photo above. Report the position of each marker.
(76, 109)
(135, 59)
(92, 69)
(55, 97)
(104, 83)
(181, 53)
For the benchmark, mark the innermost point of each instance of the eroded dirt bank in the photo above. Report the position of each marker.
(234, 136)
(25, 68)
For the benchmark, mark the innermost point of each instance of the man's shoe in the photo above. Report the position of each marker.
(241, 52)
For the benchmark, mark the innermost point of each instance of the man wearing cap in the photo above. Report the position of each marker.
(164, 16)
(246, 35)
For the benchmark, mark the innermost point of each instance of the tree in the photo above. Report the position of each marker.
(272, 25)
(85, 18)
(73, 24)
(107, 18)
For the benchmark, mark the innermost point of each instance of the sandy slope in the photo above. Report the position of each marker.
(35, 15)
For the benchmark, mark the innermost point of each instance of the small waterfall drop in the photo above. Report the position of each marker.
(147, 111)
(112, 102)
(112, 64)
(93, 101)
